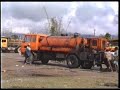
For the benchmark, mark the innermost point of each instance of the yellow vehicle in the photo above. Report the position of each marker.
(4, 44)
(8, 44)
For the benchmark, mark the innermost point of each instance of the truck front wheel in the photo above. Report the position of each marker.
(72, 61)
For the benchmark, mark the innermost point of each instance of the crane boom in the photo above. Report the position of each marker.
(68, 24)
(47, 16)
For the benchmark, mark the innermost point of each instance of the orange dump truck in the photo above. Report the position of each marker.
(74, 49)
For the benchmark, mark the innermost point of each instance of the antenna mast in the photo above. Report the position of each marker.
(94, 32)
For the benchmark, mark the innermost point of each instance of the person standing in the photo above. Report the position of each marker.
(27, 53)
(109, 59)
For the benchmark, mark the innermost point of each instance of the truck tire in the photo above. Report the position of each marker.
(44, 61)
(72, 61)
(17, 50)
(86, 64)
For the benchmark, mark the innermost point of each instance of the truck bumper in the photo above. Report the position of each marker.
(4, 49)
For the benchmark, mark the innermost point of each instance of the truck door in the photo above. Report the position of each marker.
(94, 43)
(103, 44)
(26, 40)
(33, 43)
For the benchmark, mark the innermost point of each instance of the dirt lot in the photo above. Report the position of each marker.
(52, 75)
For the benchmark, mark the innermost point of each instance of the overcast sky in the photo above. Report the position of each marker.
(25, 17)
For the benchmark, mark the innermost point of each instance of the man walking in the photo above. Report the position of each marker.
(28, 54)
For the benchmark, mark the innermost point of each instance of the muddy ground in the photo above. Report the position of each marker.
(53, 75)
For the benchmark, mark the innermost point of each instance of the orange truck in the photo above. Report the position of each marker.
(76, 50)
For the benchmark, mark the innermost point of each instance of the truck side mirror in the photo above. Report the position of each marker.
(40, 39)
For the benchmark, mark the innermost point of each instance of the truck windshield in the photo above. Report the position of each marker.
(33, 39)
(3, 40)
(30, 39)
(27, 39)
(94, 42)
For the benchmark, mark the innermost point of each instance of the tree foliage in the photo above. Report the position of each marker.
(56, 27)
(108, 36)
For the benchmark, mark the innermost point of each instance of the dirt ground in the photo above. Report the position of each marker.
(53, 75)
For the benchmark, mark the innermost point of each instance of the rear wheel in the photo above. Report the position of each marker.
(72, 61)
(87, 64)
(44, 61)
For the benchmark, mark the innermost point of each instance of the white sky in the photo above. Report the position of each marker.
(26, 16)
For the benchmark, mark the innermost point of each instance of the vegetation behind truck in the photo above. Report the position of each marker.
(77, 51)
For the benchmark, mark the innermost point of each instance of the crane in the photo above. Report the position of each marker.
(47, 16)
(68, 24)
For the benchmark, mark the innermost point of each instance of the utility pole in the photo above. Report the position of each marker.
(94, 32)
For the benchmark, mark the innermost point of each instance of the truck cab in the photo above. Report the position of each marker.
(33, 40)
(98, 44)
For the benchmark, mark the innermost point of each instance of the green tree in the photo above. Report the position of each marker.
(108, 36)
(53, 27)
(56, 27)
